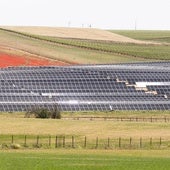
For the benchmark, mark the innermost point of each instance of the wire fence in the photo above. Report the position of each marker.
(81, 142)
(123, 119)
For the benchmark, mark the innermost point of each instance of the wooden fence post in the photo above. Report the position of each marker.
(25, 140)
(150, 142)
(72, 141)
(56, 141)
(160, 142)
(63, 141)
(97, 142)
(130, 141)
(49, 142)
(120, 142)
(37, 140)
(140, 143)
(108, 143)
(151, 119)
(165, 118)
(85, 142)
(12, 139)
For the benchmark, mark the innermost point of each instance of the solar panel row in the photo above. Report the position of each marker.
(138, 86)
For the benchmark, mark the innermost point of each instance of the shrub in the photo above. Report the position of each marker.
(44, 113)
(4, 146)
(55, 114)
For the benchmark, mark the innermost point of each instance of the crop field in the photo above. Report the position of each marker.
(76, 33)
(135, 50)
(155, 36)
(159, 52)
(26, 46)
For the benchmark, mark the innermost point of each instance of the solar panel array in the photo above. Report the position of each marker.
(139, 86)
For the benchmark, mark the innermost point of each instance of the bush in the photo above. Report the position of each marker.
(55, 114)
(4, 146)
(44, 113)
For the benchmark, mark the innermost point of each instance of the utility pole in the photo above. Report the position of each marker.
(135, 24)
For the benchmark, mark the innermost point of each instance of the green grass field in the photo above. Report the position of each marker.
(158, 52)
(84, 160)
(157, 36)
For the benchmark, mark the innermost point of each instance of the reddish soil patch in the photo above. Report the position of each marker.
(7, 60)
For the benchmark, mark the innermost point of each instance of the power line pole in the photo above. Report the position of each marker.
(135, 24)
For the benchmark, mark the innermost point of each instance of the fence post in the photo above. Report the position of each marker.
(151, 119)
(72, 141)
(120, 142)
(63, 141)
(56, 142)
(37, 140)
(160, 142)
(85, 142)
(97, 142)
(150, 142)
(12, 139)
(130, 141)
(25, 140)
(49, 143)
(108, 143)
(140, 143)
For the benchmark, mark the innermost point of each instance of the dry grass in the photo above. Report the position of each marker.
(79, 33)
(26, 46)
(17, 124)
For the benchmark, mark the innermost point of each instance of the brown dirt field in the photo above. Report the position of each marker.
(11, 57)
(79, 33)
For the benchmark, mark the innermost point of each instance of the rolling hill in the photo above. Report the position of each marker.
(77, 33)
(64, 46)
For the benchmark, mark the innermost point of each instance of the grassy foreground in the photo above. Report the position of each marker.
(84, 160)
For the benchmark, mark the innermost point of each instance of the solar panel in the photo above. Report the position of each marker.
(86, 87)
